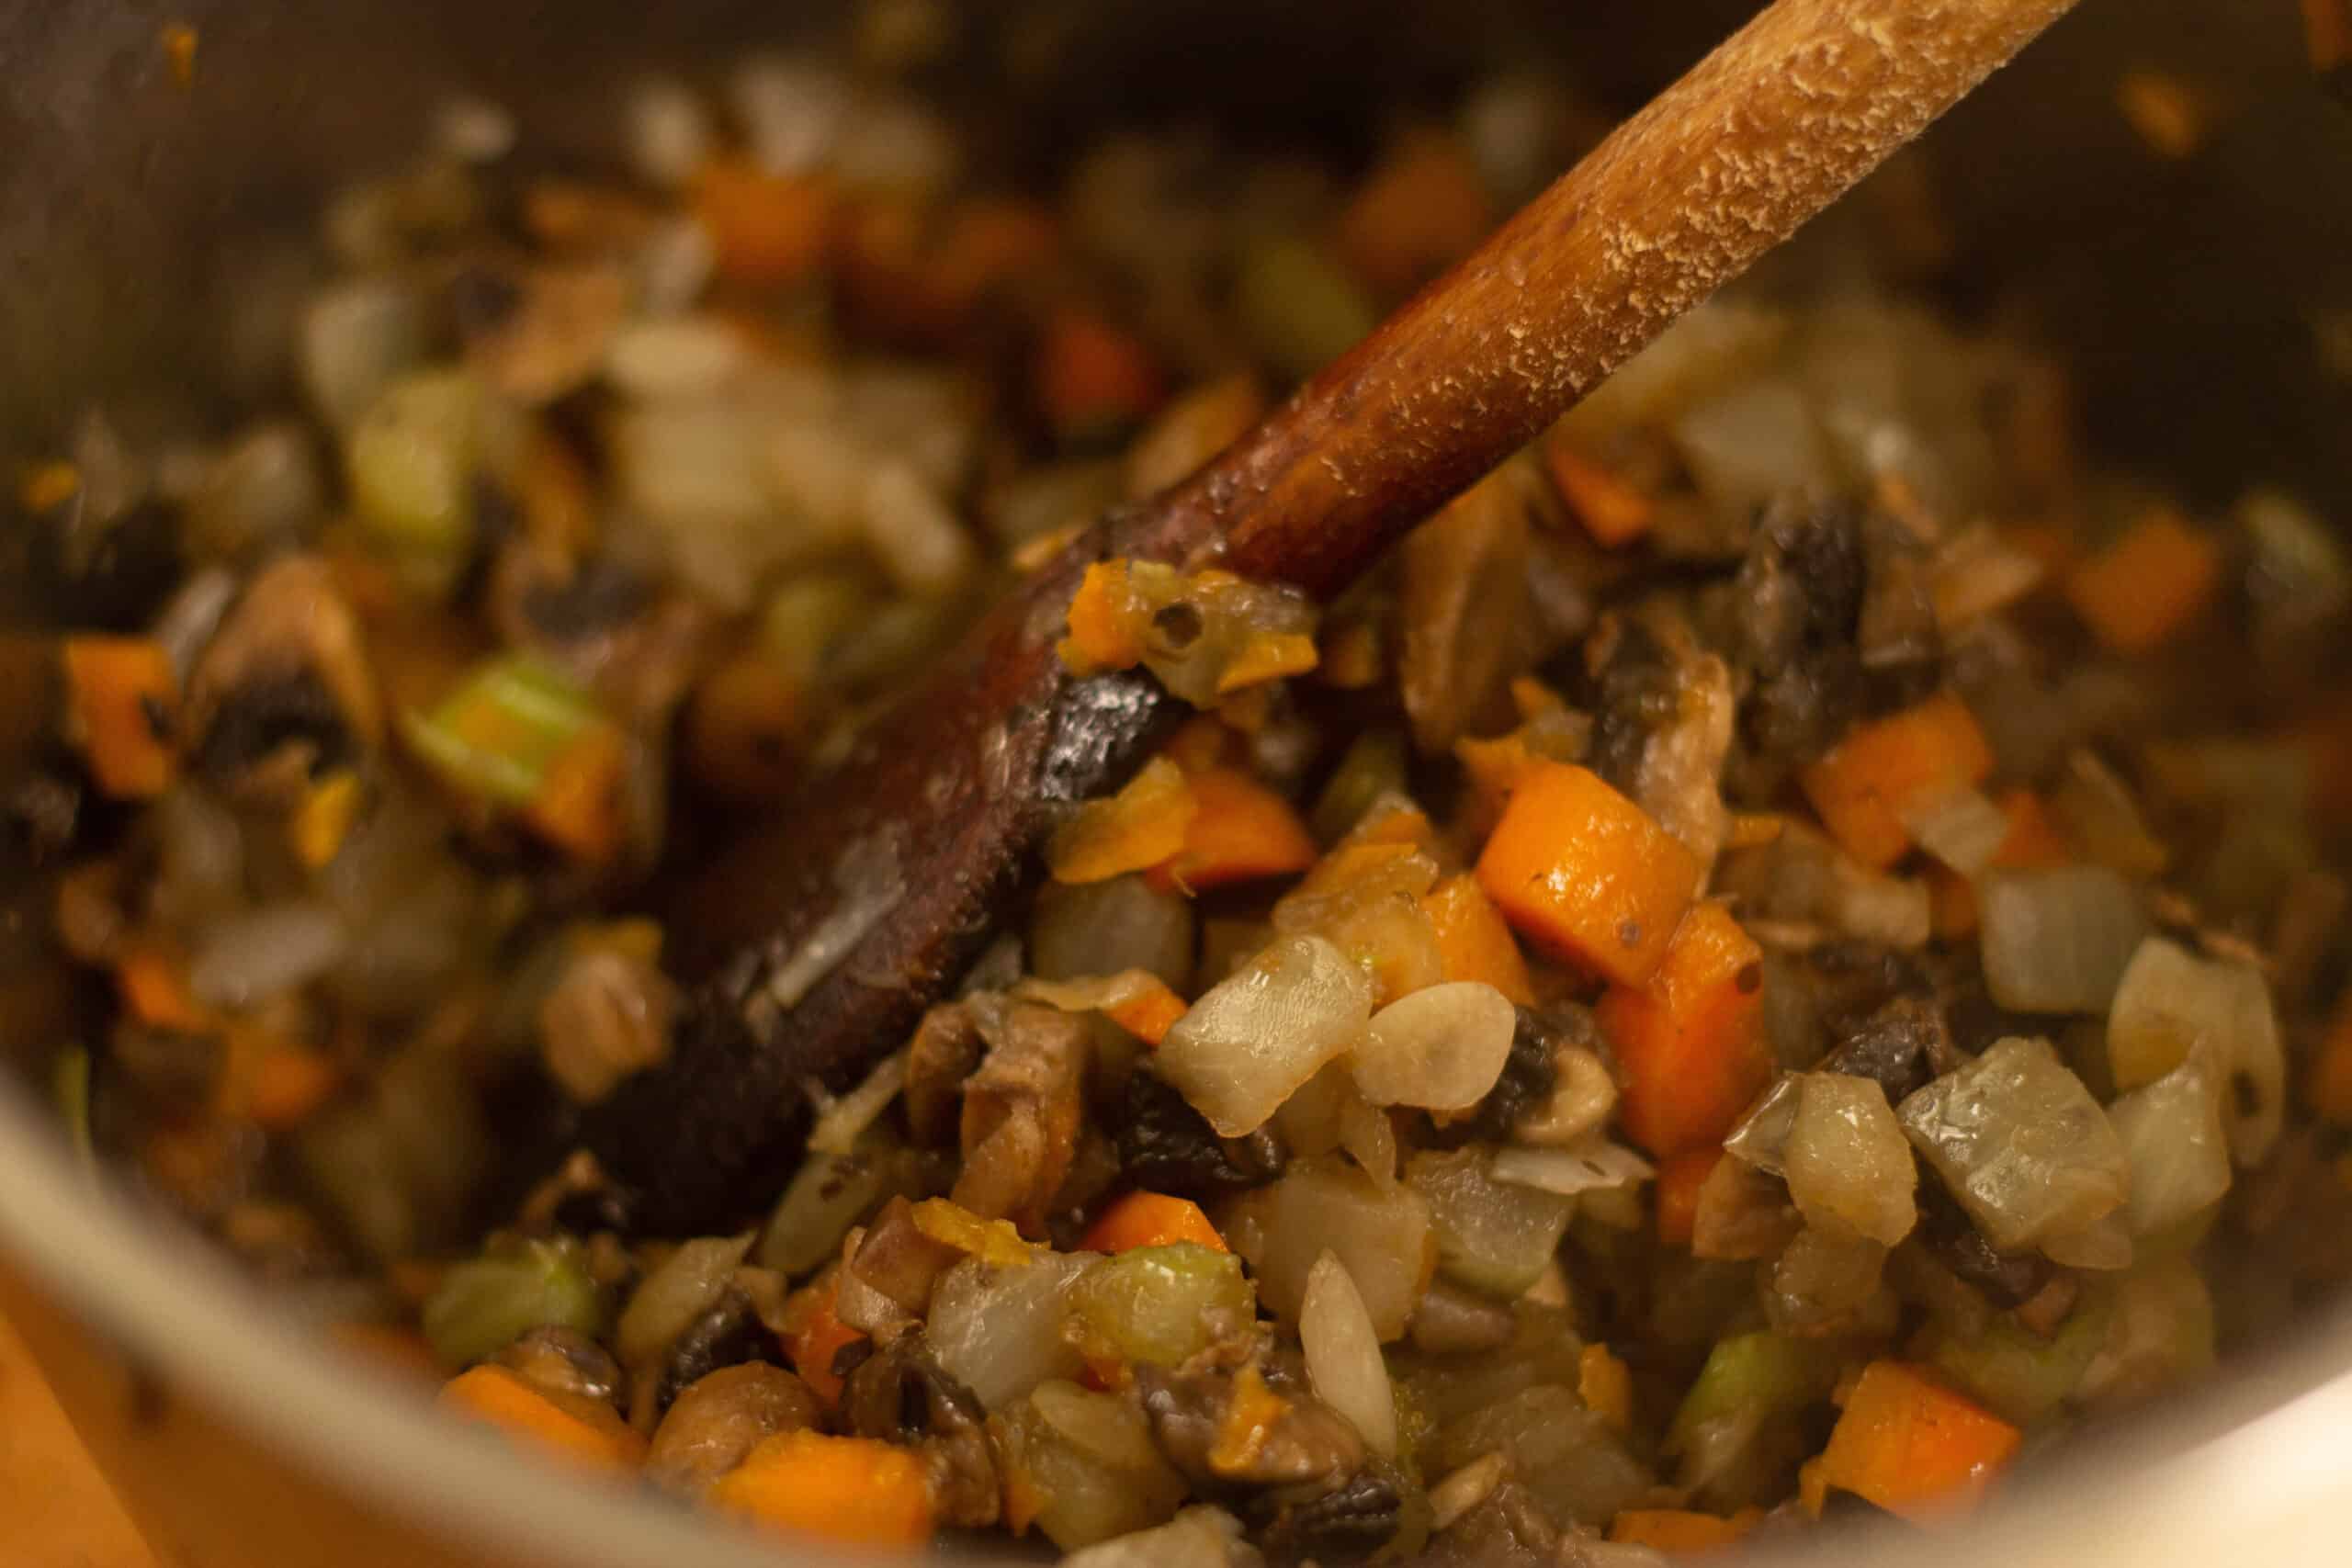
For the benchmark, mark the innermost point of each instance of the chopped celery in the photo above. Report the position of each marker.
(1495, 1236)
(2017, 1374)
(1299, 309)
(70, 1083)
(410, 463)
(500, 733)
(1163, 1304)
(487, 1304)
(1764, 1373)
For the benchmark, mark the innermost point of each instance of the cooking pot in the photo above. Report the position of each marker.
(2204, 300)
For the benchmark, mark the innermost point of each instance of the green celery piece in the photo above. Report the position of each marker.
(498, 734)
(1771, 1372)
(487, 1304)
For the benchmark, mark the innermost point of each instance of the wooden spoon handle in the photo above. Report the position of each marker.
(1772, 127)
(826, 935)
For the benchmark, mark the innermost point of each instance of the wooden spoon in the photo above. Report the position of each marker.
(824, 937)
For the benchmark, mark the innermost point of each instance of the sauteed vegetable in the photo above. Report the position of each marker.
(1780, 953)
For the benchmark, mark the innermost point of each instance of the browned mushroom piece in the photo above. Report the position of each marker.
(720, 1418)
(1023, 1111)
(283, 692)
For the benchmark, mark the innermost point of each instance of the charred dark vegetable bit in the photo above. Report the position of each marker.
(1748, 970)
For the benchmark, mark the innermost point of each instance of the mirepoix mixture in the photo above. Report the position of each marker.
(1780, 956)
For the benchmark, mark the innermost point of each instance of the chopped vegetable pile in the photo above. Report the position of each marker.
(1784, 951)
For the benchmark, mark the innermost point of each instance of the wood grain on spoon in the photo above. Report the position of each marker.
(826, 935)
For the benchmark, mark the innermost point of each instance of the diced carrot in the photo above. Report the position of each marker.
(1105, 627)
(2148, 584)
(2329, 1087)
(392, 1348)
(1092, 376)
(1149, 1013)
(1952, 912)
(497, 1397)
(1680, 1529)
(322, 819)
(1493, 767)
(1202, 742)
(1679, 1177)
(288, 1080)
(1151, 1219)
(47, 485)
(578, 808)
(1400, 821)
(153, 982)
(1614, 511)
(743, 729)
(124, 700)
(1142, 825)
(766, 230)
(2034, 840)
(989, 242)
(573, 214)
(858, 1490)
(1474, 941)
(1753, 830)
(1690, 1044)
(1271, 658)
(1241, 833)
(1585, 874)
(1605, 1384)
(1912, 1446)
(1423, 209)
(1864, 786)
(994, 1242)
(814, 1334)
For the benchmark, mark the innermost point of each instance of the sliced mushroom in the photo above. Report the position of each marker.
(901, 1395)
(1022, 1111)
(283, 693)
(722, 1417)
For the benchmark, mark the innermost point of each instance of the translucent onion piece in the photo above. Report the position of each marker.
(2172, 1134)
(1343, 1361)
(674, 1294)
(1440, 1049)
(2097, 805)
(2104, 1244)
(1200, 1537)
(1252, 1039)
(253, 957)
(840, 1121)
(2170, 1004)
(2057, 940)
(2021, 1144)
(1495, 1236)
(1762, 1139)
(1962, 828)
(1593, 1165)
(1381, 1232)
(1750, 445)
(1848, 1160)
(999, 1331)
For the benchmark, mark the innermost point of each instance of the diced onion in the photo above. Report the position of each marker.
(1381, 1232)
(1752, 444)
(841, 1119)
(1848, 1160)
(999, 1331)
(1200, 1537)
(1440, 1048)
(1343, 1361)
(2170, 1005)
(255, 956)
(681, 1290)
(1593, 1165)
(1963, 828)
(2021, 1144)
(1251, 1040)
(2105, 1244)
(2057, 940)
(2172, 1134)
(1761, 1139)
